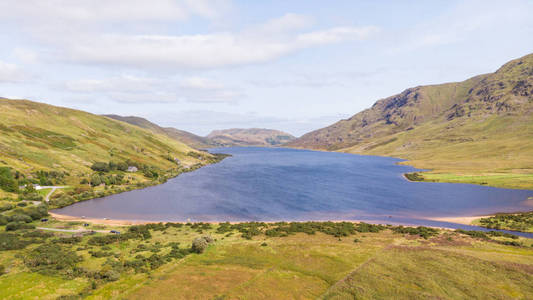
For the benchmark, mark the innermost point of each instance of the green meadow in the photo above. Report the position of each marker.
(311, 260)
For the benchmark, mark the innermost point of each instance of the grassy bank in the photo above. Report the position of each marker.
(500, 180)
(262, 261)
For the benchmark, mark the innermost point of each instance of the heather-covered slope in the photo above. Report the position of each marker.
(482, 126)
(37, 137)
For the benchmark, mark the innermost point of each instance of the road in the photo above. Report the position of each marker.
(54, 188)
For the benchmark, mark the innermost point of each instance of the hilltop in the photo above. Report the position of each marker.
(183, 136)
(249, 137)
(479, 130)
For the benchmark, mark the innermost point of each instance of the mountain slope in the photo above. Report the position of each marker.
(249, 137)
(185, 137)
(482, 126)
(36, 136)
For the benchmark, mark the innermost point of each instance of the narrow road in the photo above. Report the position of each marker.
(54, 188)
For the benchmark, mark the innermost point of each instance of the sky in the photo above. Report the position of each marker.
(295, 66)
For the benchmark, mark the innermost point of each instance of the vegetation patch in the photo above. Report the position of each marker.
(518, 222)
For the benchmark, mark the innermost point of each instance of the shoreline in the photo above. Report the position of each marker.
(465, 220)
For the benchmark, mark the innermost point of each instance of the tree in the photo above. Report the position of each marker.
(7, 181)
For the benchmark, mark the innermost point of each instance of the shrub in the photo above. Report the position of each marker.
(10, 241)
(12, 226)
(51, 259)
(422, 231)
(111, 275)
(36, 212)
(100, 167)
(199, 245)
(3, 220)
(2, 270)
(5, 206)
(414, 176)
(21, 218)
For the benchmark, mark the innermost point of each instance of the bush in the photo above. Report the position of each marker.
(51, 259)
(3, 220)
(21, 218)
(12, 226)
(100, 167)
(2, 270)
(200, 244)
(111, 275)
(36, 212)
(10, 241)
(5, 206)
(422, 231)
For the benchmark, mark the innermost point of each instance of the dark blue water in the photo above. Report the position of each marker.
(267, 184)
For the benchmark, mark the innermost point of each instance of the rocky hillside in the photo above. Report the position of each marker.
(249, 137)
(483, 124)
(188, 138)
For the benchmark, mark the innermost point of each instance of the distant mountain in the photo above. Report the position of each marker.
(188, 138)
(483, 123)
(249, 137)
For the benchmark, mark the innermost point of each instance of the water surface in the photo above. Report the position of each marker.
(269, 184)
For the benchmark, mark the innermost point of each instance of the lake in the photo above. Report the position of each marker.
(270, 184)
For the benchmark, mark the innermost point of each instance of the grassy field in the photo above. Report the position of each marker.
(273, 261)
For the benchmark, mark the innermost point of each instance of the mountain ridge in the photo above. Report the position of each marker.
(249, 137)
(451, 128)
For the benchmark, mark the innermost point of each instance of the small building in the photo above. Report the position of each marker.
(132, 169)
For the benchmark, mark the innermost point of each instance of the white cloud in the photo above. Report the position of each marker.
(202, 51)
(200, 83)
(144, 89)
(461, 24)
(106, 10)
(288, 22)
(11, 73)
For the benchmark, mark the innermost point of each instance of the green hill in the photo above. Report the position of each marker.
(185, 137)
(476, 131)
(55, 145)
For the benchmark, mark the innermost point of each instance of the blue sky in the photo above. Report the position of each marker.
(289, 65)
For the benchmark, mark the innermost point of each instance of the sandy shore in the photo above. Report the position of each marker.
(459, 220)
(98, 221)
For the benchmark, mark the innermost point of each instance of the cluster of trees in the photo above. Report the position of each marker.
(110, 166)
(8, 182)
(148, 171)
(50, 177)
(109, 179)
